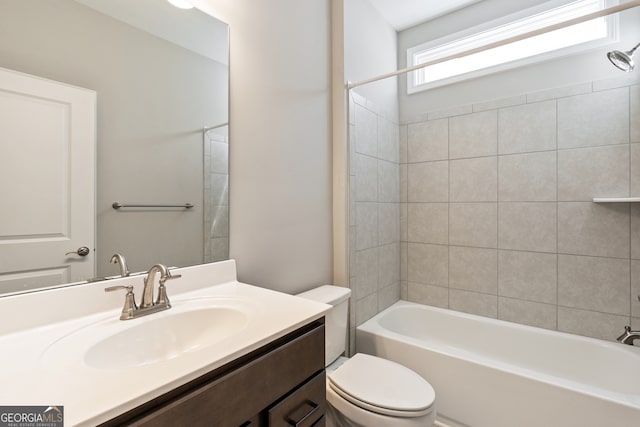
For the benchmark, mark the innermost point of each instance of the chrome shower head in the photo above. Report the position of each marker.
(623, 60)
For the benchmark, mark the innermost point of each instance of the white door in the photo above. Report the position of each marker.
(47, 182)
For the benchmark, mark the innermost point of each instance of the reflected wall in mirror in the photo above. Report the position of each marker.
(160, 80)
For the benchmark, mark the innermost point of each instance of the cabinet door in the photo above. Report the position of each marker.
(235, 398)
(302, 408)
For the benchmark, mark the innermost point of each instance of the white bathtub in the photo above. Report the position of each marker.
(491, 373)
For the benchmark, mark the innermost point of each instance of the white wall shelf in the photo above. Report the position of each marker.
(616, 199)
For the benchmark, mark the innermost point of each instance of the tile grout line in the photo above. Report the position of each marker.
(629, 211)
(557, 226)
(449, 212)
(498, 214)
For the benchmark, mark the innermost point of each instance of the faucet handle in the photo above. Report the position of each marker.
(129, 301)
(118, 288)
(169, 276)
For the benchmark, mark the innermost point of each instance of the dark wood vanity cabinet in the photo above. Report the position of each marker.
(280, 384)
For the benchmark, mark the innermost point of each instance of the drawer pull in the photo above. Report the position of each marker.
(308, 403)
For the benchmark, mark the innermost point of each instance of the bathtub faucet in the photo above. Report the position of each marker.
(629, 336)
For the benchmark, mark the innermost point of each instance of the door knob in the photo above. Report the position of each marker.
(82, 251)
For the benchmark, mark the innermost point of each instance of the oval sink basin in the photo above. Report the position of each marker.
(165, 338)
(186, 327)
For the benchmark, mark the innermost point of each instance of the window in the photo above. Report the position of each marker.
(562, 42)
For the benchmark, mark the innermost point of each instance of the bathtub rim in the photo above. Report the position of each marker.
(374, 327)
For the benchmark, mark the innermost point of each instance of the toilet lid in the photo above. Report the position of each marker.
(382, 386)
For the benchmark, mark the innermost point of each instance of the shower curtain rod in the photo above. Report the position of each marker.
(578, 20)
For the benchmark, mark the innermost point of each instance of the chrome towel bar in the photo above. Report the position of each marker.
(118, 205)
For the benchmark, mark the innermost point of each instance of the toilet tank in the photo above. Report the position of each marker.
(335, 320)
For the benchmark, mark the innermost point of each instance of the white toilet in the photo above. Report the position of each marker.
(368, 391)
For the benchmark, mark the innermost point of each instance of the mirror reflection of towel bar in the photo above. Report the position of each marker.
(118, 205)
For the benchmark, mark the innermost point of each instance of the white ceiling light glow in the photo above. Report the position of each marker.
(182, 4)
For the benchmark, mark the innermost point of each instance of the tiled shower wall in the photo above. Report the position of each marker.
(496, 209)
(216, 195)
(374, 209)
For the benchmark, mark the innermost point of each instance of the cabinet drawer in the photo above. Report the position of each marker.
(302, 408)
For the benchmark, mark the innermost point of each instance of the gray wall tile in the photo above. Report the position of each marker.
(428, 223)
(527, 226)
(388, 296)
(635, 288)
(403, 183)
(635, 230)
(352, 251)
(597, 284)
(366, 308)
(585, 173)
(428, 182)
(527, 313)
(473, 269)
(634, 93)
(499, 103)
(404, 143)
(388, 140)
(527, 177)
(404, 222)
(421, 293)
(473, 224)
(366, 225)
(388, 223)
(428, 264)
(473, 135)
(428, 141)
(474, 303)
(366, 131)
(366, 178)
(352, 201)
(527, 128)
(599, 118)
(591, 323)
(593, 229)
(352, 150)
(450, 112)
(510, 155)
(388, 181)
(404, 249)
(619, 81)
(529, 276)
(634, 191)
(365, 276)
(473, 180)
(388, 265)
(561, 92)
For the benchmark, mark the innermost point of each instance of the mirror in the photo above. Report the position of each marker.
(160, 78)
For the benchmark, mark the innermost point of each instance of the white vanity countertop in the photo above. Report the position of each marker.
(39, 366)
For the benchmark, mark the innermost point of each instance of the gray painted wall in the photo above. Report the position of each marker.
(370, 49)
(153, 99)
(280, 188)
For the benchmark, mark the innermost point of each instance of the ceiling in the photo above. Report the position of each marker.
(402, 14)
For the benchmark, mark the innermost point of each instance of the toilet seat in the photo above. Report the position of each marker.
(382, 386)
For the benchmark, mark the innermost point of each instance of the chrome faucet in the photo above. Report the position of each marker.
(629, 336)
(147, 306)
(147, 292)
(119, 259)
